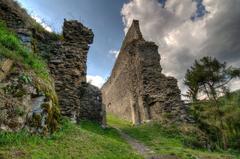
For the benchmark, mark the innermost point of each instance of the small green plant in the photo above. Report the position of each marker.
(19, 111)
(25, 79)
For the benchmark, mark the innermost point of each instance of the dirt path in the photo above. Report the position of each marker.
(142, 149)
(136, 145)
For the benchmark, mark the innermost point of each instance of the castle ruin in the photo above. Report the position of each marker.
(137, 90)
(66, 56)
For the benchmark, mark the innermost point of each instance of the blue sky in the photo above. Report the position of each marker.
(184, 30)
(102, 16)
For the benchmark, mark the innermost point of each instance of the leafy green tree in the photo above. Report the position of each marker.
(210, 77)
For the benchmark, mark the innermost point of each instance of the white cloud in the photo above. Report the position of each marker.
(97, 81)
(235, 85)
(41, 22)
(114, 52)
(182, 40)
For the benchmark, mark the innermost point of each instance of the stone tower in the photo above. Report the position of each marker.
(137, 90)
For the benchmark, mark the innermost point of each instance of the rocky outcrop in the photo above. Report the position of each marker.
(136, 89)
(26, 101)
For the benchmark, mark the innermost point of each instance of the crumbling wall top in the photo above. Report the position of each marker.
(77, 32)
(134, 33)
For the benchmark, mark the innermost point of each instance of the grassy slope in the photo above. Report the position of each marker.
(163, 141)
(88, 140)
(11, 47)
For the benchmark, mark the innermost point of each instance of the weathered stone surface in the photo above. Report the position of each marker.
(66, 55)
(11, 113)
(90, 103)
(19, 87)
(78, 100)
(5, 67)
(24, 104)
(13, 15)
(136, 89)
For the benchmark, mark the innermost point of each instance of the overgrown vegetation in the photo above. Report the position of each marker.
(221, 124)
(87, 140)
(12, 48)
(168, 139)
(218, 115)
(31, 69)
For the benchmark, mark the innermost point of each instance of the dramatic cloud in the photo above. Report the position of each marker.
(114, 52)
(97, 81)
(184, 31)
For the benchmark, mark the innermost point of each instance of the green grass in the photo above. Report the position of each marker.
(87, 140)
(11, 47)
(165, 140)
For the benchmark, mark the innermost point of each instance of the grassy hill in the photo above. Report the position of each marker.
(87, 140)
(167, 140)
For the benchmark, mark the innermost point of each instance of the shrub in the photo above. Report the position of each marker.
(224, 132)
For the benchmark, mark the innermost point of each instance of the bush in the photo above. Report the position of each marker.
(223, 130)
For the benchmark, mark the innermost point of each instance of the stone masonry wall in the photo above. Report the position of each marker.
(77, 99)
(66, 55)
(136, 89)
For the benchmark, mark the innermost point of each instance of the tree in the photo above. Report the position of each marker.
(192, 81)
(209, 76)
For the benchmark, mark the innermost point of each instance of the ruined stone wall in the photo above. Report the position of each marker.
(66, 55)
(13, 15)
(119, 91)
(161, 95)
(77, 99)
(136, 89)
